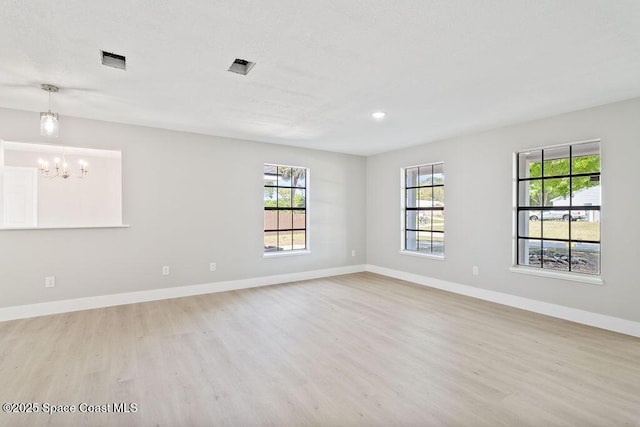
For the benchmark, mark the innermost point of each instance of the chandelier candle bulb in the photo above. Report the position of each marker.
(44, 166)
(84, 167)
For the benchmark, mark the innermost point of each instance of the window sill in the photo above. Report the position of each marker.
(421, 255)
(285, 254)
(575, 277)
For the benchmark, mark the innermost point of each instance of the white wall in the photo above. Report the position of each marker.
(190, 200)
(478, 195)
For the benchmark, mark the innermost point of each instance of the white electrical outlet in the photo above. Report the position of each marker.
(475, 270)
(353, 252)
(213, 266)
(50, 281)
(165, 270)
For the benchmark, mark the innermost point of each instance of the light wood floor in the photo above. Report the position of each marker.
(359, 349)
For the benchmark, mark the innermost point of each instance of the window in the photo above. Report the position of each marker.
(285, 208)
(558, 208)
(423, 216)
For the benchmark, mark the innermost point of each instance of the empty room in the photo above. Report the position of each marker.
(323, 213)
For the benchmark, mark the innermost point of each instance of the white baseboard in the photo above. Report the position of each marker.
(77, 304)
(575, 315)
(602, 321)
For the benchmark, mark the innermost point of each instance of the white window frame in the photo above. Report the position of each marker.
(541, 272)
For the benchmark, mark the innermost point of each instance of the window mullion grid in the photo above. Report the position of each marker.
(542, 205)
(418, 209)
(570, 202)
(290, 208)
(406, 199)
(430, 187)
(424, 186)
(577, 175)
(557, 239)
(278, 209)
(431, 212)
(518, 207)
(278, 213)
(406, 203)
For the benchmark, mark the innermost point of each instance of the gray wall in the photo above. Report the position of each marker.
(194, 199)
(478, 195)
(190, 200)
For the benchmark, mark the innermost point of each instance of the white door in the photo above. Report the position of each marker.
(20, 197)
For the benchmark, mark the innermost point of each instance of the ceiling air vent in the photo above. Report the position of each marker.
(241, 66)
(113, 60)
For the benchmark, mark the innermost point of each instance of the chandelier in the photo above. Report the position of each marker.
(62, 168)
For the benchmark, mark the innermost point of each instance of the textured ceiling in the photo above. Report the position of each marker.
(438, 68)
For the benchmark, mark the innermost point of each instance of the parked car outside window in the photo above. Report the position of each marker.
(558, 215)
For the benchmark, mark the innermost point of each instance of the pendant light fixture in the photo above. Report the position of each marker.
(49, 120)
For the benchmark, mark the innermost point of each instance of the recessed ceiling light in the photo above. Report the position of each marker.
(379, 115)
